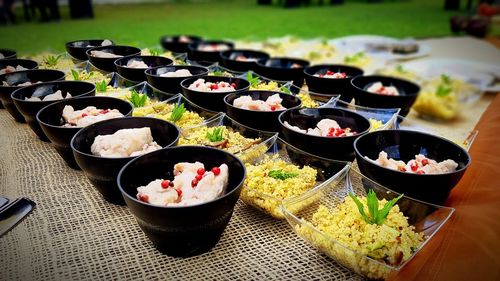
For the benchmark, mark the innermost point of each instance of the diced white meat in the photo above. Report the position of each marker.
(379, 88)
(102, 54)
(124, 143)
(177, 73)
(87, 116)
(136, 64)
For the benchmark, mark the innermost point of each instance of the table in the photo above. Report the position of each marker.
(74, 234)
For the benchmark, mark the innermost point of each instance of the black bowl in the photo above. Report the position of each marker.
(28, 64)
(8, 53)
(181, 231)
(213, 101)
(18, 77)
(404, 145)
(261, 120)
(172, 85)
(229, 59)
(29, 109)
(331, 86)
(78, 49)
(173, 44)
(137, 74)
(197, 55)
(102, 171)
(338, 148)
(50, 120)
(108, 64)
(408, 92)
(281, 69)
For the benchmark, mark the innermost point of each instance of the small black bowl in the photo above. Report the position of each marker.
(213, 101)
(338, 148)
(229, 59)
(102, 171)
(29, 109)
(78, 49)
(181, 231)
(108, 64)
(404, 145)
(283, 69)
(172, 85)
(207, 56)
(28, 64)
(137, 74)
(331, 86)
(19, 77)
(8, 54)
(176, 45)
(408, 92)
(51, 121)
(260, 120)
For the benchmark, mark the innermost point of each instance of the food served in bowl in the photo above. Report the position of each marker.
(218, 86)
(433, 183)
(104, 54)
(208, 51)
(384, 92)
(325, 128)
(332, 140)
(178, 43)
(77, 49)
(332, 75)
(58, 95)
(283, 69)
(331, 79)
(168, 79)
(272, 103)
(10, 68)
(242, 60)
(104, 57)
(195, 228)
(7, 54)
(419, 165)
(16, 80)
(86, 116)
(124, 143)
(191, 185)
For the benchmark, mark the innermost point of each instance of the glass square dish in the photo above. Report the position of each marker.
(236, 138)
(311, 99)
(424, 217)
(267, 193)
(193, 116)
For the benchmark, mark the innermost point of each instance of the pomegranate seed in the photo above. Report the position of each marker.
(165, 184)
(414, 167)
(84, 115)
(344, 74)
(329, 72)
(339, 132)
(223, 85)
(171, 184)
(143, 198)
(198, 177)
(200, 171)
(216, 171)
(104, 111)
(425, 162)
(214, 87)
(179, 192)
(420, 172)
(273, 108)
(194, 183)
(233, 85)
(321, 75)
(402, 169)
(197, 85)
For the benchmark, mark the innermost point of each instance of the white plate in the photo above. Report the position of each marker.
(358, 43)
(481, 75)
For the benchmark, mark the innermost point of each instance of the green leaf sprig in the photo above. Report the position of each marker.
(354, 58)
(138, 100)
(177, 112)
(101, 87)
(75, 74)
(444, 88)
(51, 60)
(155, 52)
(376, 216)
(218, 73)
(281, 175)
(254, 80)
(216, 134)
(285, 90)
(400, 68)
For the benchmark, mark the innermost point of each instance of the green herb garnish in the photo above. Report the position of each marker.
(138, 100)
(446, 79)
(354, 58)
(444, 88)
(155, 52)
(51, 60)
(177, 113)
(285, 90)
(281, 175)
(400, 68)
(75, 74)
(376, 216)
(216, 134)
(101, 87)
(313, 55)
(254, 80)
(218, 73)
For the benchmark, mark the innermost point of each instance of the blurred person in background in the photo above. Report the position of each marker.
(51, 6)
(7, 15)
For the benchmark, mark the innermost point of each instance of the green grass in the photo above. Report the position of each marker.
(143, 24)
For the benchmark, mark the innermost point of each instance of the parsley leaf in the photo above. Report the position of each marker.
(101, 87)
(177, 112)
(75, 74)
(138, 100)
(254, 80)
(285, 90)
(281, 175)
(51, 60)
(216, 134)
(376, 216)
